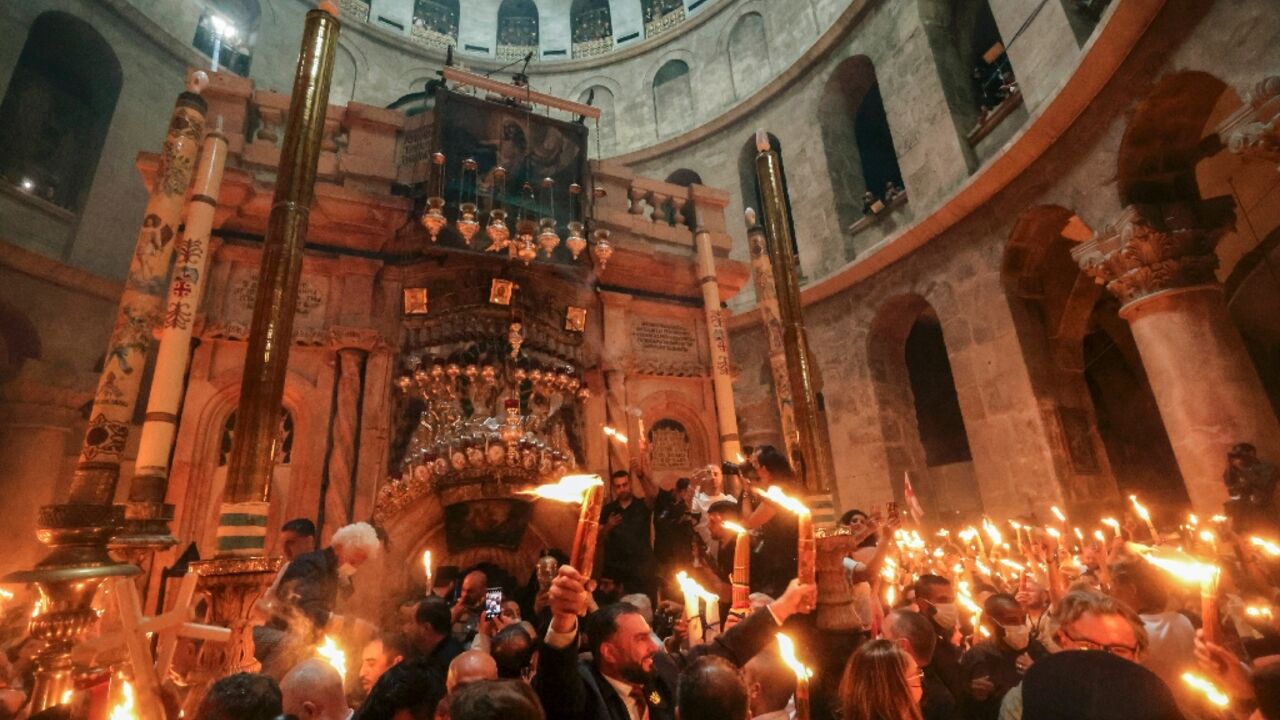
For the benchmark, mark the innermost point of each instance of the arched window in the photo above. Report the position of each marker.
(517, 29)
(977, 78)
(685, 177)
(435, 22)
(661, 15)
(592, 27)
(748, 54)
(57, 109)
(606, 133)
(227, 31)
(857, 142)
(672, 98)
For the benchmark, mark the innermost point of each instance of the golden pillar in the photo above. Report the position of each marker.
(813, 461)
(767, 303)
(721, 381)
(241, 572)
(78, 531)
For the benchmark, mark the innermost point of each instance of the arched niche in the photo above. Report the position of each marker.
(921, 424)
(673, 103)
(518, 32)
(750, 187)
(856, 138)
(57, 110)
(591, 27)
(748, 54)
(605, 128)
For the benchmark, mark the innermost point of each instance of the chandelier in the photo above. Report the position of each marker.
(491, 410)
(525, 232)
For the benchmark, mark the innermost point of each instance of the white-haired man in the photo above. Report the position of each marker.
(314, 580)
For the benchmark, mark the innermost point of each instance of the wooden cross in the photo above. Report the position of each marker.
(135, 629)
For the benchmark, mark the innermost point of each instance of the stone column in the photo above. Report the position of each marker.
(613, 361)
(1160, 263)
(771, 320)
(721, 381)
(338, 499)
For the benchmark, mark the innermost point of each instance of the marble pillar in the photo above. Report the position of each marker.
(344, 433)
(718, 337)
(1159, 262)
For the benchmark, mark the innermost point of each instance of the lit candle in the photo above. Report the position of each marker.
(694, 596)
(807, 551)
(587, 490)
(1188, 569)
(617, 436)
(332, 654)
(1266, 546)
(1146, 517)
(1210, 691)
(741, 578)
(787, 648)
(426, 568)
(126, 707)
(1113, 524)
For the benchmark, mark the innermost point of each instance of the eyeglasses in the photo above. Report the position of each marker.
(1128, 652)
(915, 680)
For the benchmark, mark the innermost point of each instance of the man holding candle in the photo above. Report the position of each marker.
(625, 525)
(1171, 636)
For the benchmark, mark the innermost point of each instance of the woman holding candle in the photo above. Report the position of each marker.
(881, 682)
(776, 560)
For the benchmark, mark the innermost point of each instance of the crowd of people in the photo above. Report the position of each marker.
(1035, 622)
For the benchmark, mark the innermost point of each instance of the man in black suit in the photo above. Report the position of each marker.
(629, 676)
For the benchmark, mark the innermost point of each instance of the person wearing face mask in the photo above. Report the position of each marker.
(993, 667)
(936, 600)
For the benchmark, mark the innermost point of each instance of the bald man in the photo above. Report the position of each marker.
(712, 689)
(312, 690)
(466, 612)
(770, 685)
(469, 667)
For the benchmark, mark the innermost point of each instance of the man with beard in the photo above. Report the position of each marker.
(629, 677)
(936, 600)
(465, 614)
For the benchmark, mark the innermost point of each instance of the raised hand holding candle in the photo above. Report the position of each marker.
(587, 490)
(741, 577)
(1113, 524)
(1145, 514)
(787, 649)
(1189, 569)
(694, 596)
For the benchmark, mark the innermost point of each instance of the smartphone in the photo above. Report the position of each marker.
(493, 603)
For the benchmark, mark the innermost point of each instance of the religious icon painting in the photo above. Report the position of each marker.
(500, 292)
(575, 319)
(415, 301)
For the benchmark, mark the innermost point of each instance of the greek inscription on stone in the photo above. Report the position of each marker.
(663, 337)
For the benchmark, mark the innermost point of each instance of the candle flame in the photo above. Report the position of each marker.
(1057, 512)
(1219, 518)
(1258, 611)
(889, 595)
(1138, 508)
(126, 709)
(1015, 524)
(570, 488)
(426, 565)
(1207, 536)
(1079, 534)
(332, 654)
(968, 534)
(67, 696)
(1099, 536)
(1206, 688)
(1053, 533)
(776, 494)
(787, 648)
(1192, 520)
(1113, 524)
(691, 588)
(735, 527)
(1266, 546)
(992, 531)
(615, 435)
(1180, 565)
(1013, 565)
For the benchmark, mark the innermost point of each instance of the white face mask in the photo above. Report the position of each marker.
(1017, 636)
(947, 615)
(346, 570)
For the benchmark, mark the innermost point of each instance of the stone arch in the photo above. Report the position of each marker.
(856, 137)
(57, 110)
(1107, 438)
(602, 96)
(685, 177)
(748, 53)
(518, 29)
(673, 103)
(1166, 137)
(962, 37)
(919, 411)
(670, 405)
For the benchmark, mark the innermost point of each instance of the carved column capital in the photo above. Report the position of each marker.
(1150, 250)
(357, 338)
(1253, 131)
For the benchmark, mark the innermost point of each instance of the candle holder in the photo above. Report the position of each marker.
(603, 249)
(498, 232)
(433, 219)
(468, 225)
(576, 242)
(548, 239)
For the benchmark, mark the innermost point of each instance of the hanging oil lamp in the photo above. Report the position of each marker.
(577, 241)
(548, 238)
(603, 249)
(467, 223)
(433, 219)
(497, 230)
(525, 248)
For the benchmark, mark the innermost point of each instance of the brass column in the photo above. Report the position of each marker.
(814, 461)
(78, 530)
(241, 572)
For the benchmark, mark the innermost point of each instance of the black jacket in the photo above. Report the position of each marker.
(573, 689)
(416, 684)
(310, 585)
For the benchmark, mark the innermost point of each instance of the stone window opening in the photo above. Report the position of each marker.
(933, 389)
(661, 15)
(672, 98)
(748, 54)
(591, 26)
(862, 162)
(57, 111)
(228, 29)
(601, 97)
(517, 29)
(435, 22)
